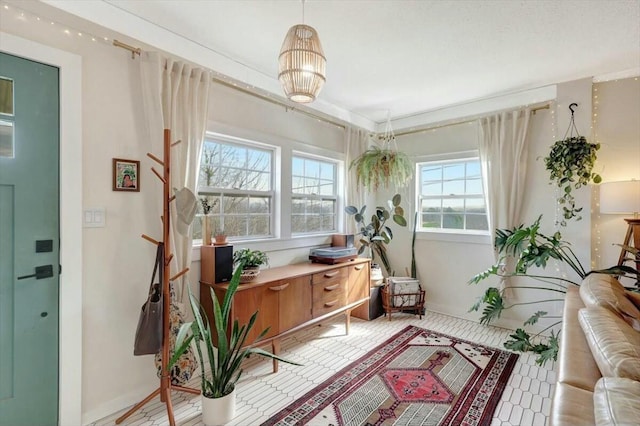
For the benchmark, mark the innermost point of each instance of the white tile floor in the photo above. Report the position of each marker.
(326, 349)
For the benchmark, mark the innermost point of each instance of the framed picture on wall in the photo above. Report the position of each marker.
(126, 175)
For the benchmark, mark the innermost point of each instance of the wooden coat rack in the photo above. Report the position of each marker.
(165, 378)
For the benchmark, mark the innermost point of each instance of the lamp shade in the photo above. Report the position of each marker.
(302, 65)
(620, 197)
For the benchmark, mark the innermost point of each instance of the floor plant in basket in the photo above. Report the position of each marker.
(225, 344)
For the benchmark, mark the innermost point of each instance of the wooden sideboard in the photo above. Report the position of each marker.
(292, 297)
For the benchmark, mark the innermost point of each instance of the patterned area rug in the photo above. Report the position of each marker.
(417, 377)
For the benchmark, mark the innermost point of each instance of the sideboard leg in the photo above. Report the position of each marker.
(275, 348)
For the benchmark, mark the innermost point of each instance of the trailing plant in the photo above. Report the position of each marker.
(250, 258)
(529, 247)
(382, 167)
(225, 357)
(376, 234)
(570, 164)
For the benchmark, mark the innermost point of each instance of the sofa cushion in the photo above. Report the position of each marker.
(617, 401)
(614, 344)
(606, 291)
(634, 296)
(576, 365)
(571, 406)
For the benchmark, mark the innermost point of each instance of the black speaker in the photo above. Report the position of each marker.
(216, 263)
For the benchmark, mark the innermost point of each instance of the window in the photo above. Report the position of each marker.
(236, 179)
(314, 195)
(450, 196)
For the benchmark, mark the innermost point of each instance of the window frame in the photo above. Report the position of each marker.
(272, 194)
(450, 234)
(335, 197)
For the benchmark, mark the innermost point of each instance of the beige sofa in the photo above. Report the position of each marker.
(599, 359)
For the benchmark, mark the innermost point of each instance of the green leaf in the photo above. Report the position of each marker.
(351, 210)
(535, 317)
(399, 220)
(396, 200)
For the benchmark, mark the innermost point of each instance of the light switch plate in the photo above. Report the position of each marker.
(94, 218)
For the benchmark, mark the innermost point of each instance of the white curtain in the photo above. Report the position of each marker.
(175, 96)
(503, 154)
(357, 142)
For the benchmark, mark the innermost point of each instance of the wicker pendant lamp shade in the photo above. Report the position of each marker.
(302, 65)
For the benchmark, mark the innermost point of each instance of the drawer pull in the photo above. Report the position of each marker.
(330, 304)
(331, 274)
(280, 287)
(331, 287)
(358, 267)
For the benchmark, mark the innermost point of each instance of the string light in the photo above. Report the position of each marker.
(26, 16)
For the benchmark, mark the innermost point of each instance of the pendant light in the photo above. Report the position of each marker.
(302, 65)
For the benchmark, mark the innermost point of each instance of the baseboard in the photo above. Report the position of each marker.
(123, 401)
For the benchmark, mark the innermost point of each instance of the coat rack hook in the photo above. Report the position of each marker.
(572, 106)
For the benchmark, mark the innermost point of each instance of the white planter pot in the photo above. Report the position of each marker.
(218, 411)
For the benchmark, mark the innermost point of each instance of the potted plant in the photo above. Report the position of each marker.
(218, 382)
(570, 164)
(207, 205)
(376, 234)
(382, 167)
(220, 237)
(250, 261)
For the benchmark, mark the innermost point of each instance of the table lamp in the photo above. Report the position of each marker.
(623, 198)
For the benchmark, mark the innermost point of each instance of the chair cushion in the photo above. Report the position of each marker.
(605, 291)
(614, 344)
(617, 401)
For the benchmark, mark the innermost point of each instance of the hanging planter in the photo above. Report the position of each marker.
(570, 163)
(383, 166)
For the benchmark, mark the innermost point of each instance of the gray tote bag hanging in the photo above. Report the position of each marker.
(148, 339)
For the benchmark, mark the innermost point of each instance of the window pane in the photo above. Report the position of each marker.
(475, 205)
(431, 220)
(326, 187)
(432, 205)
(453, 171)
(452, 205)
(477, 222)
(328, 223)
(454, 187)
(314, 223)
(235, 204)
(311, 186)
(6, 139)
(259, 225)
(297, 224)
(431, 173)
(473, 170)
(311, 168)
(328, 207)
(298, 206)
(6, 96)
(259, 205)
(474, 186)
(236, 226)
(453, 221)
(327, 171)
(434, 188)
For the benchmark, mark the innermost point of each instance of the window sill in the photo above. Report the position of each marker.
(275, 244)
(455, 237)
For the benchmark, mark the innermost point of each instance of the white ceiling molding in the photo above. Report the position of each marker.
(634, 72)
(480, 107)
(123, 22)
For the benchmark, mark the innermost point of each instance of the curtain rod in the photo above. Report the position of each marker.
(455, 123)
(137, 51)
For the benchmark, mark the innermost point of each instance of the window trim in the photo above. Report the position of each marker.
(450, 234)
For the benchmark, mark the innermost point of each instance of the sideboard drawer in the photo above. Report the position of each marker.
(329, 291)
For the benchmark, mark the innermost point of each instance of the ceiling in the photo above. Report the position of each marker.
(402, 58)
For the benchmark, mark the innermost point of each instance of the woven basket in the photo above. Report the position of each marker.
(249, 274)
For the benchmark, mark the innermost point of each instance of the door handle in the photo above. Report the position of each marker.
(45, 271)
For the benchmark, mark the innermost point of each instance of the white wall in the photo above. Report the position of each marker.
(616, 125)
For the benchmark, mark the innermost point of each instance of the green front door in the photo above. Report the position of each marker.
(29, 242)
